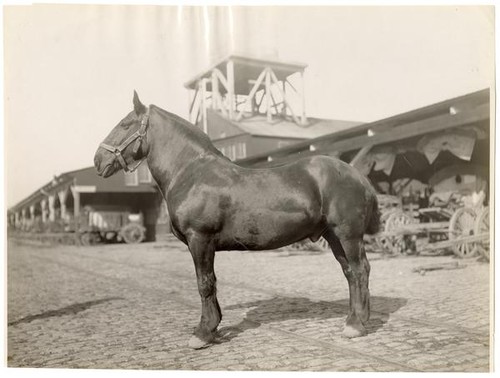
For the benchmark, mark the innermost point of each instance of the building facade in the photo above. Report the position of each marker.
(63, 203)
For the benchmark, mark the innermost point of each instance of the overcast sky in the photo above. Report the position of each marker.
(70, 70)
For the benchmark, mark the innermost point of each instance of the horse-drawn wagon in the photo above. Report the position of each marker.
(97, 225)
(463, 228)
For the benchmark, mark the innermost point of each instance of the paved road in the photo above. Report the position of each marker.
(134, 307)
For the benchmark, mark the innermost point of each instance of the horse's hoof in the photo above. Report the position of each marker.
(196, 343)
(350, 332)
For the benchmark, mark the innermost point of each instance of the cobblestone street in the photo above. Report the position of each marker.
(134, 307)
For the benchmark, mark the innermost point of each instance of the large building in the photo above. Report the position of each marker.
(253, 111)
(67, 197)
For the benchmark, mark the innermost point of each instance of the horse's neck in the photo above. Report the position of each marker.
(171, 149)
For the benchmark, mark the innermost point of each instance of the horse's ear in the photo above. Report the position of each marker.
(139, 108)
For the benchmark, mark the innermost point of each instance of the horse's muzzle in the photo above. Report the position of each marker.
(104, 162)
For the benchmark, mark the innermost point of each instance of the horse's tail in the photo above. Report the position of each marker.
(374, 219)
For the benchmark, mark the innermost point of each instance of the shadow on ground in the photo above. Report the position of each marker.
(68, 310)
(286, 308)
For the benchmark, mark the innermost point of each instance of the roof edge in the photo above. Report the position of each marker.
(242, 57)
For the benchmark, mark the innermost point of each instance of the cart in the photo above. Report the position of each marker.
(97, 226)
(464, 230)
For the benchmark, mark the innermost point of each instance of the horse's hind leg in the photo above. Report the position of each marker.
(350, 253)
(203, 255)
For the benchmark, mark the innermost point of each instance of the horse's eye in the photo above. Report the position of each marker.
(126, 125)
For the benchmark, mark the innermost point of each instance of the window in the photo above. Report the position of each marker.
(241, 150)
(131, 178)
(234, 151)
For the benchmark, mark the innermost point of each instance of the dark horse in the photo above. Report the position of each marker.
(216, 205)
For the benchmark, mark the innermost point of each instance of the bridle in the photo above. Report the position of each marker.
(137, 137)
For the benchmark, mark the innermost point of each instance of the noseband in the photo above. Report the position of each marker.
(137, 137)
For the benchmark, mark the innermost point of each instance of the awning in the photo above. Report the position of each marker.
(459, 142)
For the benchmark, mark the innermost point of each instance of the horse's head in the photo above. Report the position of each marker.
(124, 147)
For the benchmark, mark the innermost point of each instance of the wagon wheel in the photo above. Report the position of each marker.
(396, 244)
(382, 241)
(462, 224)
(133, 233)
(482, 226)
(89, 238)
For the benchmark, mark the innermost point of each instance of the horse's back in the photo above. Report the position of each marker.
(336, 194)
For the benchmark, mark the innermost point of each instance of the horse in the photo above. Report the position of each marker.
(217, 205)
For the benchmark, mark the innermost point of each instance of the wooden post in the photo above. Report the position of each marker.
(283, 109)
(63, 194)
(76, 210)
(202, 100)
(275, 104)
(303, 118)
(259, 103)
(220, 80)
(32, 213)
(191, 107)
(17, 219)
(76, 202)
(43, 204)
(52, 207)
(268, 95)
(275, 80)
(215, 91)
(204, 105)
(24, 221)
(252, 93)
(230, 88)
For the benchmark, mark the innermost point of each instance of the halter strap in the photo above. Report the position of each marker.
(137, 137)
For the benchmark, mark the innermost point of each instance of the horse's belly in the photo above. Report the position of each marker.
(267, 230)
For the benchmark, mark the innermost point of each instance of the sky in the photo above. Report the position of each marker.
(70, 70)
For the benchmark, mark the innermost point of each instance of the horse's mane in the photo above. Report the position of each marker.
(190, 130)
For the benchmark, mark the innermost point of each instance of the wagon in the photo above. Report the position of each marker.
(465, 230)
(110, 225)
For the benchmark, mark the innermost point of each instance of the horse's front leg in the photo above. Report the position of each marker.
(203, 254)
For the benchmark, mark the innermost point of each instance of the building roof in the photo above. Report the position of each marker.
(257, 125)
(246, 68)
(115, 183)
(88, 180)
(467, 110)
(316, 127)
